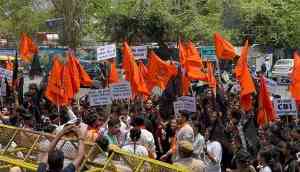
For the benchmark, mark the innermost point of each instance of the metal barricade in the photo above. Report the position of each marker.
(23, 148)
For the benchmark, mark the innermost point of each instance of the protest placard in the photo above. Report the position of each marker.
(139, 52)
(100, 97)
(285, 107)
(178, 106)
(106, 52)
(4, 73)
(121, 90)
(189, 103)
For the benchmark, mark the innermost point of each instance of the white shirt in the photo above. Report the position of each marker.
(139, 149)
(265, 169)
(198, 145)
(215, 149)
(146, 139)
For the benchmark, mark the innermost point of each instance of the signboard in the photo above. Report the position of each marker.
(5, 74)
(121, 90)
(208, 53)
(272, 85)
(106, 52)
(139, 52)
(100, 97)
(285, 107)
(7, 52)
(189, 103)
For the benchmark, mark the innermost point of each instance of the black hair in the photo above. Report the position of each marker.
(56, 160)
(113, 122)
(138, 121)
(103, 143)
(135, 134)
(185, 114)
(89, 119)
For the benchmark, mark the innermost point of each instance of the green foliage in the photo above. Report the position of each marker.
(18, 16)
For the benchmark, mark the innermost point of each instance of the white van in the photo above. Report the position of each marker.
(282, 68)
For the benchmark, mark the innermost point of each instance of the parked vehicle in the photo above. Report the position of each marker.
(282, 68)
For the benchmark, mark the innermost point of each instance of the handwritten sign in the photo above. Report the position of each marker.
(106, 52)
(121, 90)
(285, 107)
(139, 52)
(178, 106)
(189, 103)
(100, 97)
(4, 73)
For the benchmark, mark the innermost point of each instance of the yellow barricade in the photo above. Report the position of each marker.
(22, 147)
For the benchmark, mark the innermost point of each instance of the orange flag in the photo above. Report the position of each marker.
(243, 75)
(55, 90)
(193, 63)
(132, 74)
(224, 49)
(27, 48)
(113, 74)
(84, 77)
(266, 112)
(159, 72)
(212, 82)
(185, 81)
(295, 78)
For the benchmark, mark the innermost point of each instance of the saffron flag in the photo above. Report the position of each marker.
(193, 63)
(27, 48)
(212, 82)
(242, 73)
(185, 81)
(224, 49)
(55, 90)
(113, 73)
(295, 78)
(266, 112)
(132, 74)
(159, 71)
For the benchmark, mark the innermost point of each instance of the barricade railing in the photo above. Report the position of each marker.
(23, 148)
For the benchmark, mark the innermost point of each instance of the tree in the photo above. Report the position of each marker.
(73, 13)
(18, 16)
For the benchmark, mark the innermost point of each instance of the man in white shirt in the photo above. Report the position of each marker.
(213, 152)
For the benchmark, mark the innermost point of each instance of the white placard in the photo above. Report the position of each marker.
(139, 52)
(189, 103)
(100, 97)
(285, 107)
(106, 52)
(283, 80)
(121, 90)
(272, 85)
(178, 106)
(4, 73)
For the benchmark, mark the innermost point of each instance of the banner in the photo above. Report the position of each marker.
(139, 52)
(285, 107)
(272, 85)
(100, 97)
(121, 90)
(4, 73)
(185, 103)
(106, 52)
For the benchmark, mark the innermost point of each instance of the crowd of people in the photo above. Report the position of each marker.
(219, 136)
